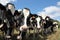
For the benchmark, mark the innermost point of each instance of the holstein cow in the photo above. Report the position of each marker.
(10, 17)
(3, 25)
(54, 27)
(47, 25)
(35, 20)
(25, 13)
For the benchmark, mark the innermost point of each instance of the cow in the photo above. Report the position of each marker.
(2, 16)
(3, 22)
(10, 9)
(47, 25)
(54, 27)
(35, 20)
(24, 16)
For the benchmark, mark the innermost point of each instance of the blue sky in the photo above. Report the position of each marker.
(37, 6)
(41, 7)
(34, 5)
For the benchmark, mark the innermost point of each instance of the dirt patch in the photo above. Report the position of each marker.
(54, 36)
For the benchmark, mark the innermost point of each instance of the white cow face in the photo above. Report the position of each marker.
(26, 12)
(38, 22)
(11, 7)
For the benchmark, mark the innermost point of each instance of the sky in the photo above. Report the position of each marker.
(40, 7)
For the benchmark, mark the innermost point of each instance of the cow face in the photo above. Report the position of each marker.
(26, 13)
(33, 21)
(38, 22)
(55, 26)
(11, 7)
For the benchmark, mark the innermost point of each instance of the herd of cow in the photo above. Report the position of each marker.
(23, 20)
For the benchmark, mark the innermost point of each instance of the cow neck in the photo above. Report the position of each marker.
(25, 18)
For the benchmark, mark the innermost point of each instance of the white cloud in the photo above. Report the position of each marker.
(58, 3)
(4, 2)
(52, 11)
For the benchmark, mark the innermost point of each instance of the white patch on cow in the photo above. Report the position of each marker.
(26, 14)
(31, 20)
(1, 25)
(56, 25)
(11, 7)
(47, 19)
(5, 20)
(38, 20)
(21, 29)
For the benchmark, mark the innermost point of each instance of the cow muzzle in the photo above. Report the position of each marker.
(22, 28)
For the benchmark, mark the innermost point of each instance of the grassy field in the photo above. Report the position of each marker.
(53, 36)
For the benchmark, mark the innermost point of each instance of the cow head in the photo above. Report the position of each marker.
(33, 21)
(26, 13)
(11, 7)
(36, 21)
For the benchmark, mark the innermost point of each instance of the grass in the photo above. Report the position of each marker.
(55, 36)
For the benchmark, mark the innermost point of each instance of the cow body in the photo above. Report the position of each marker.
(10, 19)
(3, 25)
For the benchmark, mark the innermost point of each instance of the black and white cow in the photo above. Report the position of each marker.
(3, 25)
(54, 27)
(47, 25)
(25, 13)
(10, 9)
(35, 20)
